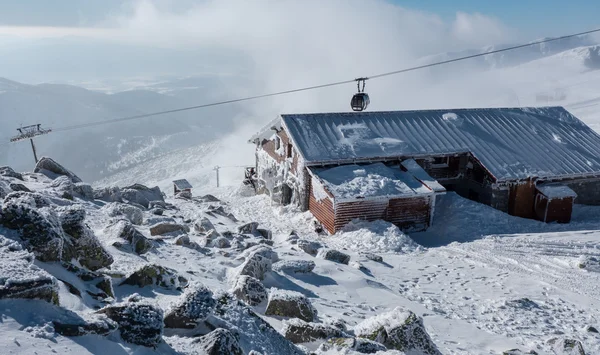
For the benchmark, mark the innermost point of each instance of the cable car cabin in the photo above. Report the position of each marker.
(360, 101)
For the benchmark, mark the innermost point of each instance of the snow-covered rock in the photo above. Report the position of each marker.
(567, 347)
(4, 189)
(19, 187)
(220, 242)
(248, 228)
(132, 213)
(194, 306)
(298, 331)
(139, 322)
(219, 342)
(309, 247)
(359, 345)
(184, 195)
(373, 257)
(156, 275)
(9, 172)
(249, 290)
(399, 329)
(141, 195)
(52, 169)
(262, 250)
(290, 304)
(589, 263)
(99, 325)
(19, 278)
(334, 255)
(203, 225)
(83, 190)
(124, 230)
(166, 228)
(63, 186)
(108, 194)
(294, 266)
(255, 265)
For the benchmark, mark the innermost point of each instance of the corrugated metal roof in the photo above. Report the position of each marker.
(512, 143)
(182, 184)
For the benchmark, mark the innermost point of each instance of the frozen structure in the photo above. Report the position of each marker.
(528, 162)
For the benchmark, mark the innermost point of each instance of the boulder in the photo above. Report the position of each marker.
(166, 228)
(63, 186)
(334, 255)
(298, 331)
(19, 187)
(309, 247)
(248, 228)
(359, 345)
(52, 169)
(141, 195)
(373, 257)
(567, 347)
(220, 242)
(139, 322)
(518, 352)
(9, 172)
(157, 211)
(290, 304)
(108, 194)
(84, 191)
(294, 266)
(591, 329)
(19, 278)
(400, 330)
(203, 225)
(219, 342)
(124, 230)
(262, 250)
(4, 189)
(249, 290)
(208, 198)
(156, 275)
(191, 309)
(589, 263)
(255, 266)
(265, 233)
(117, 209)
(101, 325)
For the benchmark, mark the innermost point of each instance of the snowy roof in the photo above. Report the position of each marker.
(267, 131)
(556, 191)
(418, 172)
(349, 182)
(512, 143)
(182, 184)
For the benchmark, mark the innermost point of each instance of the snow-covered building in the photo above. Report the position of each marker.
(528, 162)
(181, 185)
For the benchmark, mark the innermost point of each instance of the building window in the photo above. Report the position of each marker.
(440, 162)
(277, 143)
(289, 151)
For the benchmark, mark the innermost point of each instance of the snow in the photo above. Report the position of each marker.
(553, 191)
(450, 116)
(349, 182)
(375, 237)
(318, 190)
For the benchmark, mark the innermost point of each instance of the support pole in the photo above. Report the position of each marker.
(34, 152)
(217, 170)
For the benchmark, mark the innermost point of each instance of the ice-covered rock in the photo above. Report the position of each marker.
(9, 172)
(83, 190)
(123, 229)
(117, 209)
(194, 306)
(4, 189)
(203, 225)
(359, 345)
(334, 255)
(139, 322)
(19, 278)
(141, 195)
(52, 169)
(265, 233)
(249, 290)
(184, 195)
(19, 187)
(290, 304)
(63, 186)
(589, 263)
(309, 247)
(99, 325)
(220, 242)
(208, 198)
(156, 275)
(262, 250)
(399, 329)
(108, 194)
(373, 257)
(294, 266)
(298, 331)
(248, 228)
(219, 342)
(567, 347)
(255, 265)
(166, 228)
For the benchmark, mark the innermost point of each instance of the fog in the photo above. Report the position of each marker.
(236, 48)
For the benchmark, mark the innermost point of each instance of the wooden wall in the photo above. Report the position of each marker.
(323, 211)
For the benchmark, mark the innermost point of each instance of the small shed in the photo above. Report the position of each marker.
(554, 203)
(181, 185)
(371, 192)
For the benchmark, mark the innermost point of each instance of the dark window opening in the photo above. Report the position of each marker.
(289, 150)
(277, 143)
(440, 162)
(474, 196)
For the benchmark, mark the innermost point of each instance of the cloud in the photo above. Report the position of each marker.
(478, 29)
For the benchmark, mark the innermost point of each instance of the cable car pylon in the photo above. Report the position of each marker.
(28, 132)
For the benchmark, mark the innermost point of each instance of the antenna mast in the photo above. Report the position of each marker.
(28, 132)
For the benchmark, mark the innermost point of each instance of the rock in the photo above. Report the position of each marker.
(262, 250)
(203, 225)
(4, 189)
(399, 329)
(84, 191)
(265, 233)
(249, 228)
(156, 275)
(360, 345)
(63, 186)
(52, 169)
(184, 195)
(108, 194)
(166, 228)
(373, 257)
(9, 172)
(255, 334)
(518, 352)
(567, 346)
(40, 229)
(219, 342)
(139, 323)
(309, 247)
(591, 329)
(85, 247)
(123, 229)
(141, 195)
(334, 255)
(19, 187)
(102, 325)
(157, 211)
(268, 242)
(19, 278)
(209, 198)
(192, 309)
(249, 290)
(160, 204)
(589, 263)
(105, 285)
(292, 239)
(294, 266)
(183, 240)
(290, 304)
(117, 209)
(298, 331)
(220, 242)
(256, 266)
